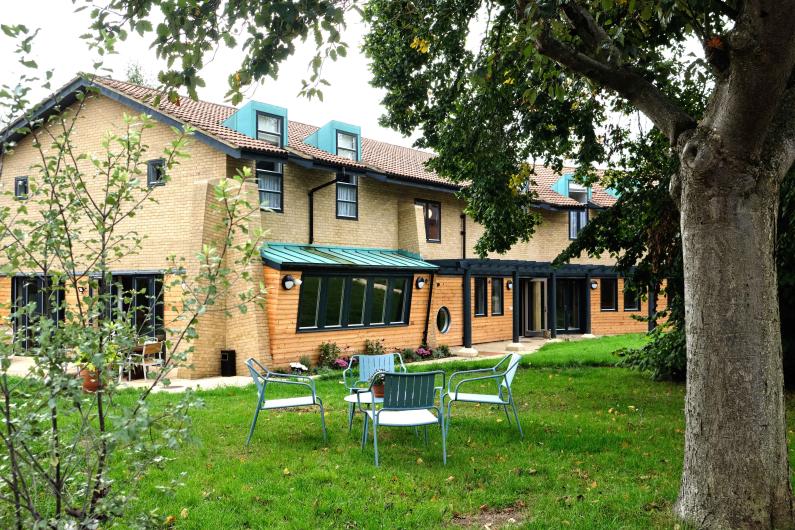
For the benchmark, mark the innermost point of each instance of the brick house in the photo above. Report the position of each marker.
(363, 241)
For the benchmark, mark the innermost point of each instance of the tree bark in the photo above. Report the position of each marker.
(736, 468)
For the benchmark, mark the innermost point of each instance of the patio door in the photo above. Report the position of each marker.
(569, 305)
(534, 305)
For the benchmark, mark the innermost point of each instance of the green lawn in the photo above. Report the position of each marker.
(602, 449)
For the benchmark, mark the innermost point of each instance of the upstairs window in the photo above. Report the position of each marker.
(270, 182)
(21, 187)
(269, 128)
(347, 197)
(347, 146)
(577, 221)
(156, 172)
(481, 297)
(497, 295)
(609, 294)
(432, 214)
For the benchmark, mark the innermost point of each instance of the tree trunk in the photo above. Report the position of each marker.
(736, 468)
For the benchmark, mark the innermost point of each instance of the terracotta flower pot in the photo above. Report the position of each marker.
(378, 390)
(90, 380)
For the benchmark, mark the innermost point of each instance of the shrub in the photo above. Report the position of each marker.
(374, 347)
(306, 360)
(329, 352)
(441, 351)
(664, 356)
(341, 363)
(424, 353)
(409, 355)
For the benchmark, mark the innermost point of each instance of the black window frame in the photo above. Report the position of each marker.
(425, 203)
(603, 290)
(355, 149)
(634, 297)
(261, 191)
(501, 292)
(337, 201)
(155, 172)
(576, 214)
(17, 182)
(481, 294)
(257, 130)
(41, 284)
(392, 279)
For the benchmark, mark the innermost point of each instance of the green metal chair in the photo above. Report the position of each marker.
(502, 374)
(358, 375)
(264, 377)
(409, 401)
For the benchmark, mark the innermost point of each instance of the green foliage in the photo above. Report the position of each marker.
(664, 356)
(441, 351)
(409, 355)
(62, 447)
(374, 347)
(329, 352)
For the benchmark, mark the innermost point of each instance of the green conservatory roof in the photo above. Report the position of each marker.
(290, 255)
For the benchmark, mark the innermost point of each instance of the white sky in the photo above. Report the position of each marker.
(350, 97)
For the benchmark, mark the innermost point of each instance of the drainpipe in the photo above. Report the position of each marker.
(312, 208)
(428, 312)
(652, 307)
(463, 236)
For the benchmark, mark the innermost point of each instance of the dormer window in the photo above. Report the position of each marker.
(578, 192)
(347, 146)
(269, 128)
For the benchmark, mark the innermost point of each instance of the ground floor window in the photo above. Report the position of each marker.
(496, 297)
(138, 298)
(631, 299)
(34, 297)
(481, 297)
(337, 301)
(609, 294)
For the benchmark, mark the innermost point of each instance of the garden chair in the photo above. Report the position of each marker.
(264, 377)
(502, 374)
(409, 401)
(368, 366)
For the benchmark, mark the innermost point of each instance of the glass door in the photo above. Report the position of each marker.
(534, 321)
(568, 305)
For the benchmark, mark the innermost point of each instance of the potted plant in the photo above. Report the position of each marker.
(377, 383)
(88, 370)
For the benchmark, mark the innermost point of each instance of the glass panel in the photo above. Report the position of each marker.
(573, 323)
(378, 305)
(572, 224)
(270, 200)
(560, 306)
(631, 300)
(310, 302)
(358, 297)
(432, 224)
(397, 301)
(335, 290)
(346, 141)
(443, 320)
(608, 294)
(269, 124)
(496, 296)
(583, 215)
(480, 296)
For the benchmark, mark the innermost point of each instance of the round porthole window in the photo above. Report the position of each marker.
(443, 320)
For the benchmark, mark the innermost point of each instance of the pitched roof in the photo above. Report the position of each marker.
(286, 255)
(401, 163)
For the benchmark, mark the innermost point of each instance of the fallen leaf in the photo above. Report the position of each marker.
(420, 461)
(593, 485)
(286, 472)
(450, 478)
(184, 513)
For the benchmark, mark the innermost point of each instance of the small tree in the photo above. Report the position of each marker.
(70, 458)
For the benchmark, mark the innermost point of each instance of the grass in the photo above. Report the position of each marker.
(602, 449)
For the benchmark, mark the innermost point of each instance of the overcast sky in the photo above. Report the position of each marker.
(350, 97)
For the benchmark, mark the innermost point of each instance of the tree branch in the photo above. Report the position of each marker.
(660, 109)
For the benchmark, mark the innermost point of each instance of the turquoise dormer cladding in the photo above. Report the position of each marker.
(325, 138)
(244, 120)
(561, 186)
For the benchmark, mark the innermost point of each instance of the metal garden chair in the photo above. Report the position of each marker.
(358, 380)
(409, 401)
(263, 377)
(502, 395)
